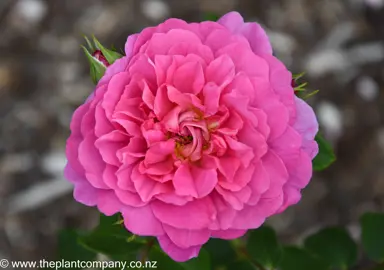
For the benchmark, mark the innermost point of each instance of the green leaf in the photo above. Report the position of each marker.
(325, 157)
(262, 246)
(334, 246)
(202, 262)
(89, 44)
(111, 238)
(164, 262)
(210, 16)
(295, 258)
(220, 251)
(372, 225)
(110, 55)
(97, 69)
(240, 265)
(112, 225)
(70, 250)
(109, 245)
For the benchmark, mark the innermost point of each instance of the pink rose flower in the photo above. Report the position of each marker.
(195, 133)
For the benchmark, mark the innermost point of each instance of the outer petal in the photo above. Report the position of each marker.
(187, 238)
(141, 221)
(194, 215)
(176, 253)
(307, 125)
(255, 34)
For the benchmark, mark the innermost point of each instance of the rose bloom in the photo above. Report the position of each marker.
(195, 133)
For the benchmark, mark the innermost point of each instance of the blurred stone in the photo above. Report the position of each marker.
(33, 11)
(326, 61)
(366, 53)
(17, 163)
(38, 195)
(155, 9)
(330, 118)
(377, 4)
(367, 88)
(54, 162)
(380, 138)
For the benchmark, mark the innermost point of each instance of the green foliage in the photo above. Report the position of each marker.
(334, 246)
(110, 238)
(203, 262)
(328, 249)
(295, 258)
(372, 227)
(69, 248)
(97, 69)
(240, 265)
(263, 247)
(222, 252)
(110, 55)
(210, 16)
(325, 157)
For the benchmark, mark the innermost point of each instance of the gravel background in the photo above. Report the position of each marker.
(44, 77)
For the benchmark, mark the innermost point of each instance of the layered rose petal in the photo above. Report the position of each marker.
(195, 133)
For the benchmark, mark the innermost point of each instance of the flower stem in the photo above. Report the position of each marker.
(146, 251)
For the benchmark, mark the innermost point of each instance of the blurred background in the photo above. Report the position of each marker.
(44, 76)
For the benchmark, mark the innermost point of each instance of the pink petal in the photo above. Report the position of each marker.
(249, 136)
(277, 172)
(162, 103)
(148, 97)
(107, 202)
(245, 60)
(147, 187)
(85, 194)
(141, 221)
(113, 94)
(201, 213)
(109, 176)
(72, 175)
(242, 151)
(184, 100)
(211, 94)
(159, 152)
(119, 65)
(129, 198)
(221, 71)
(171, 120)
(136, 148)
(129, 45)
(160, 43)
(291, 196)
(307, 125)
(194, 181)
(259, 184)
(225, 213)
(255, 34)
(109, 144)
(187, 238)
(248, 218)
(235, 198)
(102, 124)
(92, 162)
(242, 178)
(124, 176)
(173, 198)
(189, 78)
(176, 253)
(228, 166)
